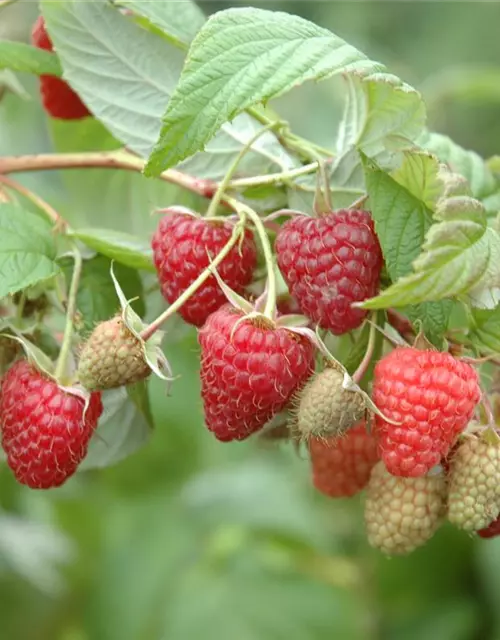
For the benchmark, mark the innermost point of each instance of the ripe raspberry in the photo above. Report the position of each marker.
(43, 431)
(474, 484)
(58, 98)
(250, 375)
(341, 467)
(329, 263)
(181, 245)
(112, 357)
(433, 396)
(325, 408)
(402, 514)
(491, 531)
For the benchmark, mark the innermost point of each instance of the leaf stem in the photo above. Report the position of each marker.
(244, 210)
(70, 317)
(39, 202)
(148, 331)
(274, 178)
(367, 358)
(223, 185)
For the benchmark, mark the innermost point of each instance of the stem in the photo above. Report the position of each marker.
(49, 211)
(367, 358)
(148, 331)
(70, 316)
(244, 210)
(216, 200)
(274, 178)
(6, 3)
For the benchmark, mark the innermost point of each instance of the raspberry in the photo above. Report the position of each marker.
(248, 372)
(402, 514)
(181, 245)
(112, 357)
(43, 431)
(491, 531)
(474, 484)
(341, 466)
(329, 263)
(433, 396)
(58, 98)
(325, 408)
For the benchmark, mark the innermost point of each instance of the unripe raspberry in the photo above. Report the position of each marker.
(474, 484)
(325, 407)
(112, 357)
(341, 466)
(402, 514)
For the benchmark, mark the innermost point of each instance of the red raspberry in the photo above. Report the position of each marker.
(181, 245)
(58, 98)
(329, 263)
(433, 395)
(250, 375)
(341, 466)
(43, 431)
(491, 531)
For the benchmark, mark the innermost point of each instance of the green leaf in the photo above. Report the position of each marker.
(129, 94)
(399, 207)
(118, 245)
(484, 330)
(96, 299)
(124, 427)
(381, 114)
(27, 249)
(461, 257)
(10, 82)
(468, 163)
(179, 21)
(18, 56)
(239, 58)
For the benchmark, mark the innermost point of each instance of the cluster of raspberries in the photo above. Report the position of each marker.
(422, 459)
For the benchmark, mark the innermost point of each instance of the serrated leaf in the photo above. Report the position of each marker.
(97, 300)
(275, 52)
(467, 163)
(484, 330)
(178, 20)
(128, 94)
(118, 245)
(461, 257)
(18, 56)
(402, 219)
(381, 112)
(124, 427)
(27, 249)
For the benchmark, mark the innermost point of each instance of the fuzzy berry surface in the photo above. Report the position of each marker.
(341, 466)
(58, 98)
(112, 357)
(248, 373)
(181, 246)
(433, 395)
(330, 262)
(44, 434)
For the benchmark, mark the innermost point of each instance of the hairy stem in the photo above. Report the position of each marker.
(148, 331)
(70, 317)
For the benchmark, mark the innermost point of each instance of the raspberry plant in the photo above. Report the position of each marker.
(381, 254)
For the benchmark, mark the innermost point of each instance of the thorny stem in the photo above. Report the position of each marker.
(223, 185)
(44, 206)
(244, 210)
(148, 331)
(70, 316)
(367, 358)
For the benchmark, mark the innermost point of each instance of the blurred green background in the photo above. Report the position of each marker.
(194, 540)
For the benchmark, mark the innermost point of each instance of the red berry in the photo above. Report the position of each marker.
(433, 396)
(341, 466)
(491, 531)
(181, 246)
(250, 375)
(58, 98)
(43, 431)
(329, 263)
